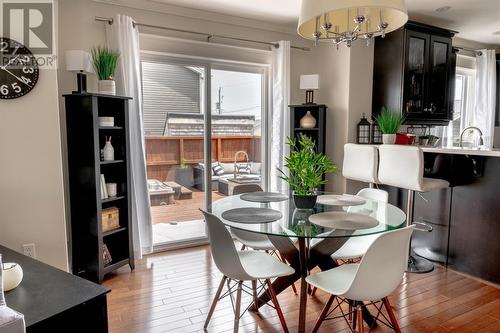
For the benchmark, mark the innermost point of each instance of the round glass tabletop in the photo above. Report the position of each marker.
(328, 218)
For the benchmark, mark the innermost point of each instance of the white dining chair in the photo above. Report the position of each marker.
(356, 247)
(378, 274)
(253, 240)
(240, 266)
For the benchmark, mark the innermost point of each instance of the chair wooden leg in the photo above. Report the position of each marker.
(277, 305)
(350, 311)
(284, 261)
(359, 315)
(392, 316)
(323, 314)
(255, 298)
(214, 302)
(237, 308)
(313, 292)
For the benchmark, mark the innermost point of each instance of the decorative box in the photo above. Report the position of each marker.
(110, 219)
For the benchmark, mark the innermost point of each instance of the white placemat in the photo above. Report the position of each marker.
(340, 200)
(343, 220)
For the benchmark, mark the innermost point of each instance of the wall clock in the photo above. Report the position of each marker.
(18, 69)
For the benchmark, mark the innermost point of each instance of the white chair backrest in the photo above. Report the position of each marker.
(223, 251)
(382, 267)
(374, 194)
(360, 163)
(401, 166)
(246, 188)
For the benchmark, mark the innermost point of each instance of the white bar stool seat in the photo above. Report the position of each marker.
(403, 167)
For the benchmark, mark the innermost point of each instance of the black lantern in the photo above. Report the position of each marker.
(376, 133)
(364, 129)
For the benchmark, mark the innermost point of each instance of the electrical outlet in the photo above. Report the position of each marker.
(29, 250)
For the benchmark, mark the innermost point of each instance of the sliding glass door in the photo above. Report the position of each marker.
(199, 117)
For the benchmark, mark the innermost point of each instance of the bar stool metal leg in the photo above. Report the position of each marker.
(416, 264)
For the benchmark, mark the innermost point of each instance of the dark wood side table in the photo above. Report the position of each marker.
(55, 301)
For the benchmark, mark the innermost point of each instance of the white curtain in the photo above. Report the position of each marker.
(484, 110)
(124, 37)
(280, 116)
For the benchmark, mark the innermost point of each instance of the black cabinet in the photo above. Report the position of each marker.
(94, 251)
(414, 71)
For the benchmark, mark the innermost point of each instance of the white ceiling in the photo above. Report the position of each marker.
(475, 20)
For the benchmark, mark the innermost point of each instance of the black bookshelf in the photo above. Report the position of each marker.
(85, 139)
(317, 134)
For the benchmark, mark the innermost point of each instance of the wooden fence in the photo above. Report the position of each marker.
(165, 153)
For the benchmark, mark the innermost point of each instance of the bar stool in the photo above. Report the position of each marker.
(403, 167)
(360, 163)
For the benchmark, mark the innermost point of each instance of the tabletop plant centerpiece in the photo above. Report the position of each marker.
(306, 170)
(104, 61)
(389, 123)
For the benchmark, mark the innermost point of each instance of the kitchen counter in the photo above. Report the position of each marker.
(462, 151)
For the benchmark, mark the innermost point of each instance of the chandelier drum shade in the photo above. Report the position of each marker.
(344, 21)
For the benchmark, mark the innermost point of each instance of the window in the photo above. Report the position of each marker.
(463, 103)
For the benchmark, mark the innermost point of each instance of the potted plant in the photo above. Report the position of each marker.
(184, 174)
(389, 123)
(306, 169)
(104, 61)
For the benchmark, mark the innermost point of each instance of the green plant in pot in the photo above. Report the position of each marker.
(104, 61)
(389, 123)
(306, 170)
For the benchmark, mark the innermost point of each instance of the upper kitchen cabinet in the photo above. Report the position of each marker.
(414, 70)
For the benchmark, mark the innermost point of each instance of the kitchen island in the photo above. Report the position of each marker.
(465, 217)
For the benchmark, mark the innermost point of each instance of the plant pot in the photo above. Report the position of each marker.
(305, 201)
(184, 176)
(388, 139)
(106, 87)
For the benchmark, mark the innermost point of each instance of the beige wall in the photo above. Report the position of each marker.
(31, 186)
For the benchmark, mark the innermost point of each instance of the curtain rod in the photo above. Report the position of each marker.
(208, 36)
(476, 52)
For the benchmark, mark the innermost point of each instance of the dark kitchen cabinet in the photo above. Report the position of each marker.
(414, 71)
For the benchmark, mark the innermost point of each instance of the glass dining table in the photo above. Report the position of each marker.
(307, 238)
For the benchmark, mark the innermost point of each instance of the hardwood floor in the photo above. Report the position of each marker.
(172, 291)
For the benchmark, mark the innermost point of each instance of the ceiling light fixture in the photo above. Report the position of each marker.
(344, 21)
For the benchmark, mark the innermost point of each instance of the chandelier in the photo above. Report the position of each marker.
(345, 21)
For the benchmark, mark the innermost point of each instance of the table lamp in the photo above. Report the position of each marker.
(79, 61)
(309, 83)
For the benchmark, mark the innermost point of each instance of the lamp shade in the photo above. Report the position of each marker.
(309, 82)
(78, 61)
(342, 13)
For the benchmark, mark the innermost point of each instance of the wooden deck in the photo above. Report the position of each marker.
(182, 210)
(171, 292)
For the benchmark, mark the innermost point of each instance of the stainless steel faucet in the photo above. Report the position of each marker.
(236, 159)
(481, 141)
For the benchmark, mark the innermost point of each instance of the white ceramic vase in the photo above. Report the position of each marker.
(12, 275)
(389, 139)
(308, 121)
(108, 151)
(106, 87)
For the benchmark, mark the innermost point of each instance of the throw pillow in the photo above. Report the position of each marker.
(243, 169)
(218, 170)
